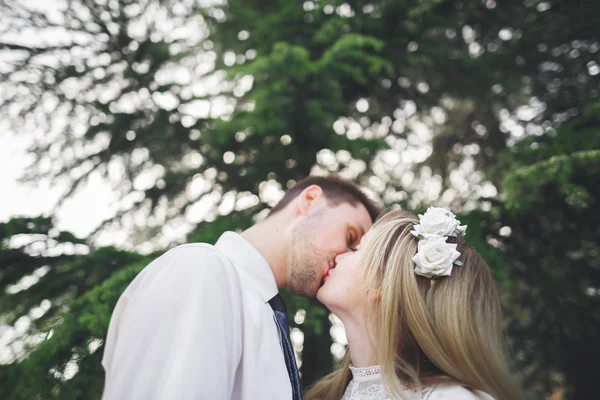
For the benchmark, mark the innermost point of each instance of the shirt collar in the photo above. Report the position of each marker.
(255, 269)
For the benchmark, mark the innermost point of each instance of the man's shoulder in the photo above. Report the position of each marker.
(197, 258)
(197, 249)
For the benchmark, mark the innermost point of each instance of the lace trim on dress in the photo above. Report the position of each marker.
(365, 371)
(367, 384)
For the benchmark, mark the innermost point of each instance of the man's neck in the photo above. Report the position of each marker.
(268, 239)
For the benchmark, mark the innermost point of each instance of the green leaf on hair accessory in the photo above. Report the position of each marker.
(421, 237)
(458, 263)
(436, 278)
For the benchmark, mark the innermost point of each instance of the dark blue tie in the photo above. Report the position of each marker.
(278, 307)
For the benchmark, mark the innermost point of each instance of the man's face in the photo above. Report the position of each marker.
(319, 236)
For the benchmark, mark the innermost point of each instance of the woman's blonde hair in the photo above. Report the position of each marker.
(427, 333)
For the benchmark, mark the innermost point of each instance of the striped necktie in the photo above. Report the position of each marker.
(278, 307)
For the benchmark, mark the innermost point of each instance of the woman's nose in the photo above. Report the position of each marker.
(340, 257)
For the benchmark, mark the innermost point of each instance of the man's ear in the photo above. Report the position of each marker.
(308, 198)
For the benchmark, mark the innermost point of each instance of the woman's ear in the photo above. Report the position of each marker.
(374, 294)
(308, 198)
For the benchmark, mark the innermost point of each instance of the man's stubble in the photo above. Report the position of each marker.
(305, 260)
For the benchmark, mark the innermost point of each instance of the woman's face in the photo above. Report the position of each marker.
(344, 290)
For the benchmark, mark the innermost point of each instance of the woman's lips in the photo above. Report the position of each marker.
(331, 266)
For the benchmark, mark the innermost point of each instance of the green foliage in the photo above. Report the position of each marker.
(72, 341)
(563, 158)
(477, 221)
(51, 279)
(209, 232)
(59, 265)
(559, 169)
(547, 228)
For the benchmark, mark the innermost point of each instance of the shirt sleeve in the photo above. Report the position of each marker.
(176, 332)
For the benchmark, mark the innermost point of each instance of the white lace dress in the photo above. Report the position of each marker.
(367, 384)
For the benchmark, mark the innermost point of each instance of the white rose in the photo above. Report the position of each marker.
(438, 222)
(435, 257)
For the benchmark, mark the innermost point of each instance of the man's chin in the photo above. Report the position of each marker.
(306, 291)
(313, 292)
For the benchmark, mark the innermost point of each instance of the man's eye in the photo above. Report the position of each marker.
(351, 242)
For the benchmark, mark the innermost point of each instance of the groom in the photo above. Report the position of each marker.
(207, 322)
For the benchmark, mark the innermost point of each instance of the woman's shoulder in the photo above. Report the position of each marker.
(449, 391)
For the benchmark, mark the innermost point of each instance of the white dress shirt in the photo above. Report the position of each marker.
(196, 324)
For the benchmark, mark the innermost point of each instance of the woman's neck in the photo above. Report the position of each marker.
(360, 342)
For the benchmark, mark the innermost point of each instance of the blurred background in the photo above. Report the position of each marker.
(128, 127)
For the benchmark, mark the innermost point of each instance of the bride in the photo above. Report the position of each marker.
(421, 314)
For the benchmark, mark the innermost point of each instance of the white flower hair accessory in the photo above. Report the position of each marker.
(438, 221)
(436, 258)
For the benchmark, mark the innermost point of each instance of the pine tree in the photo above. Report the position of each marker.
(178, 105)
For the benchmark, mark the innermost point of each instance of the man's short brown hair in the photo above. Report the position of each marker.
(336, 190)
